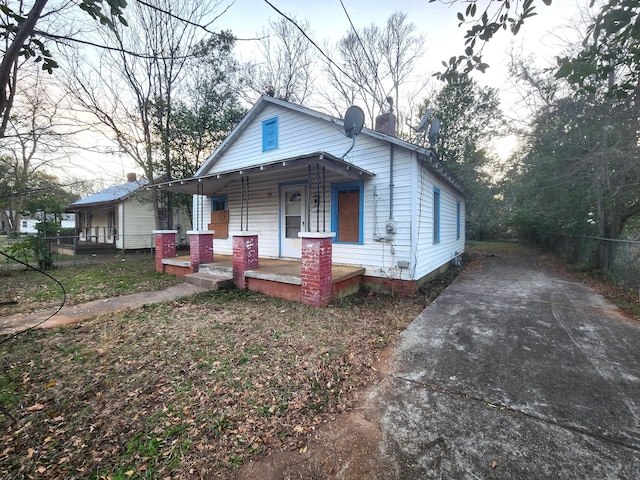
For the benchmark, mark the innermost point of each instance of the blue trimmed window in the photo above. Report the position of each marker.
(347, 208)
(270, 134)
(218, 203)
(458, 220)
(436, 215)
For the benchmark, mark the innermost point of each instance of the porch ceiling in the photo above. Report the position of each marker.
(210, 183)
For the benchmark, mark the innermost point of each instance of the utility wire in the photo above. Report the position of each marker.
(364, 50)
(62, 38)
(64, 299)
(312, 42)
(194, 24)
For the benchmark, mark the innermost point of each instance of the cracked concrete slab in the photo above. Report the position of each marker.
(513, 373)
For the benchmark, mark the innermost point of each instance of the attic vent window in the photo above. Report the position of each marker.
(270, 134)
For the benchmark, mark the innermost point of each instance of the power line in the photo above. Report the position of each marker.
(312, 42)
(61, 39)
(222, 35)
(195, 24)
(64, 299)
(364, 50)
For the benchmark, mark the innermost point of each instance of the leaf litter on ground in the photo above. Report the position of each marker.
(196, 387)
(190, 388)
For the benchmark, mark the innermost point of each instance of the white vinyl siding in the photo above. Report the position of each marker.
(297, 134)
(429, 255)
(413, 184)
(135, 225)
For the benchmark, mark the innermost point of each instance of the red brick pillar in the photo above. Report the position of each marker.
(200, 248)
(165, 246)
(245, 256)
(316, 268)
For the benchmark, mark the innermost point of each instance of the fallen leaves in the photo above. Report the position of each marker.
(36, 407)
(202, 388)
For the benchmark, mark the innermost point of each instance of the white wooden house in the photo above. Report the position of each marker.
(120, 216)
(394, 208)
(28, 224)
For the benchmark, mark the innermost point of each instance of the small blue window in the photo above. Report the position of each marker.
(436, 215)
(218, 203)
(458, 220)
(270, 134)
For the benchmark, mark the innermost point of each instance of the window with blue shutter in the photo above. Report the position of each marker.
(458, 220)
(436, 215)
(270, 134)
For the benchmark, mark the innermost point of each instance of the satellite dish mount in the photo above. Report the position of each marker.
(353, 123)
(429, 126)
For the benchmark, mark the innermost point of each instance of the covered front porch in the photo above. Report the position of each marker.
(313, 280)
(287, 202)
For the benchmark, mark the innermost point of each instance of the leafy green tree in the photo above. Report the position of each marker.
(610, 53)
(611, 45)
(579, 169)
(134, 97)
(548, 191)
(208, 111)
(48, 198)
(470, 117)
(38, 195)
(483, 23)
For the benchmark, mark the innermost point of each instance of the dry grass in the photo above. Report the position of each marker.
(103, 277)
(192, 388)
(188, 389)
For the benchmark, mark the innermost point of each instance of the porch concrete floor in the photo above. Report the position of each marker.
(274, 268)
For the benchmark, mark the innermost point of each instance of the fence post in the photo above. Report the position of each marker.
(627, 261)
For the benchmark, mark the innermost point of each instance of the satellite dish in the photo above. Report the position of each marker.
(434, 130)
(422, 126)
(353, 121)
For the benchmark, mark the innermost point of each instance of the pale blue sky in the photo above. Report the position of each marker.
(436, 20)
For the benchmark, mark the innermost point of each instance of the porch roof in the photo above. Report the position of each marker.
(210, 183)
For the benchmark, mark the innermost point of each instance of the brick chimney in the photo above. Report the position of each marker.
(385, 123)
(131, 177)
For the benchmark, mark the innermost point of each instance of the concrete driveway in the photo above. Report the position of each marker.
(514, 372)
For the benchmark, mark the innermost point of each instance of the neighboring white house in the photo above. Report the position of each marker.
(394, 207)
(28, 224)
(120, 216)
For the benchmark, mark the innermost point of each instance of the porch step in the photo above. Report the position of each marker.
(209, 281)
(223, 271)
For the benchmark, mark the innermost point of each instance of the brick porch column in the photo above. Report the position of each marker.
(316, 268)
(245, 256)
(165, 241)
(200, 248)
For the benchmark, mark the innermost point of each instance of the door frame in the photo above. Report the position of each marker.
(282, 188)
(336, 188)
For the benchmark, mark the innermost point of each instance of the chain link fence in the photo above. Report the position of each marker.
(71, 248)
(619, 260)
